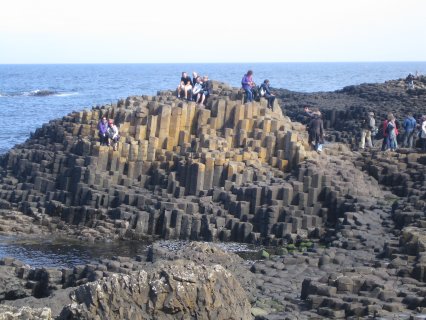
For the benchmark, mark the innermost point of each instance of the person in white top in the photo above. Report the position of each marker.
(423, 133)
(113, 134)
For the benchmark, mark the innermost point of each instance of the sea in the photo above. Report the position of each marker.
(31, 95)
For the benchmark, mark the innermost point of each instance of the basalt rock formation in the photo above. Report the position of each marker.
(181, 171)
(347, 227)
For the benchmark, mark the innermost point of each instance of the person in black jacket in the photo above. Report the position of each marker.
(207, 89)
(316, 131)
(265, 91)
(185, 84)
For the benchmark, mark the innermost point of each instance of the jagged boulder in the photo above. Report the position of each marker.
(27, 313)
(413, 240)
(173, 290)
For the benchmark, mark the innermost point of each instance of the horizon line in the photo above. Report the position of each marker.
(229, 62)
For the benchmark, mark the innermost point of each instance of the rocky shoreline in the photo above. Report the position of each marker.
(347, 228)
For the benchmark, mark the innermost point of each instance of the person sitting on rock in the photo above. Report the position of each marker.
(113, 134)
(264, 91)
(409, 126)
(194, 78)
(248, 84)
(197, 89)
(316, 132)
(185, 85)
(207, 89)
(102, 131)
(368, 126)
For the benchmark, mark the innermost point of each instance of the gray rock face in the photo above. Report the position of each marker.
(27, 313)
(178, 290)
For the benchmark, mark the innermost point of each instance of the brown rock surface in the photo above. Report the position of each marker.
(178, 290)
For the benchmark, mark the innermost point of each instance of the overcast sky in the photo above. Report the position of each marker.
(131, 31)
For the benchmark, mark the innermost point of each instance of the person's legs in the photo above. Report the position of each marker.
(368, 138)
(115, 143)
(203, 97)
(186, 90)
(410, 140)
(272, 100)
(385, 143)
(249, 95)
(179, 90)
(362, 142)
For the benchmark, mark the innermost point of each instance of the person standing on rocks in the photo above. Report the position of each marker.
(423, 133)
(102, 131)
(185, 85)
(368, 126)
(316, 131)
(248, 84)
(391, 133)
(409, 126)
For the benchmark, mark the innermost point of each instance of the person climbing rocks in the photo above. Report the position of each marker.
(368, 126)
(248, 84)
(113, 134)
(316, 131)
(102, 131)
(265, 91)
(409, 126)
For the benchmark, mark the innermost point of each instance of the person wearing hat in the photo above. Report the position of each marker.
(113, 134)
(368, 126)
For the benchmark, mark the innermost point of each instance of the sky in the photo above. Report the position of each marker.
(166, 31)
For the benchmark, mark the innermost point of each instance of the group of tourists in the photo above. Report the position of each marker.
(413, 131)
(196, 89)
(253, 92)
(108, 133)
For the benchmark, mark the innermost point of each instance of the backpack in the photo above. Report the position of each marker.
(262, 91)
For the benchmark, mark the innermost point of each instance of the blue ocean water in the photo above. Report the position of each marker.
(31, 95)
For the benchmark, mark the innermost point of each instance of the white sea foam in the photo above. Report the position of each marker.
(65, 94)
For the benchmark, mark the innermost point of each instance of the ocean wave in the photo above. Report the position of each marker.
(65, 94)
(39, 93)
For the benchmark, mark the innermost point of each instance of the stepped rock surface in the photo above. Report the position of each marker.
(181, 171)
(343, 231)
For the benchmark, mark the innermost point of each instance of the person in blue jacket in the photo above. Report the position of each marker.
(265, 92)
(409, 126)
